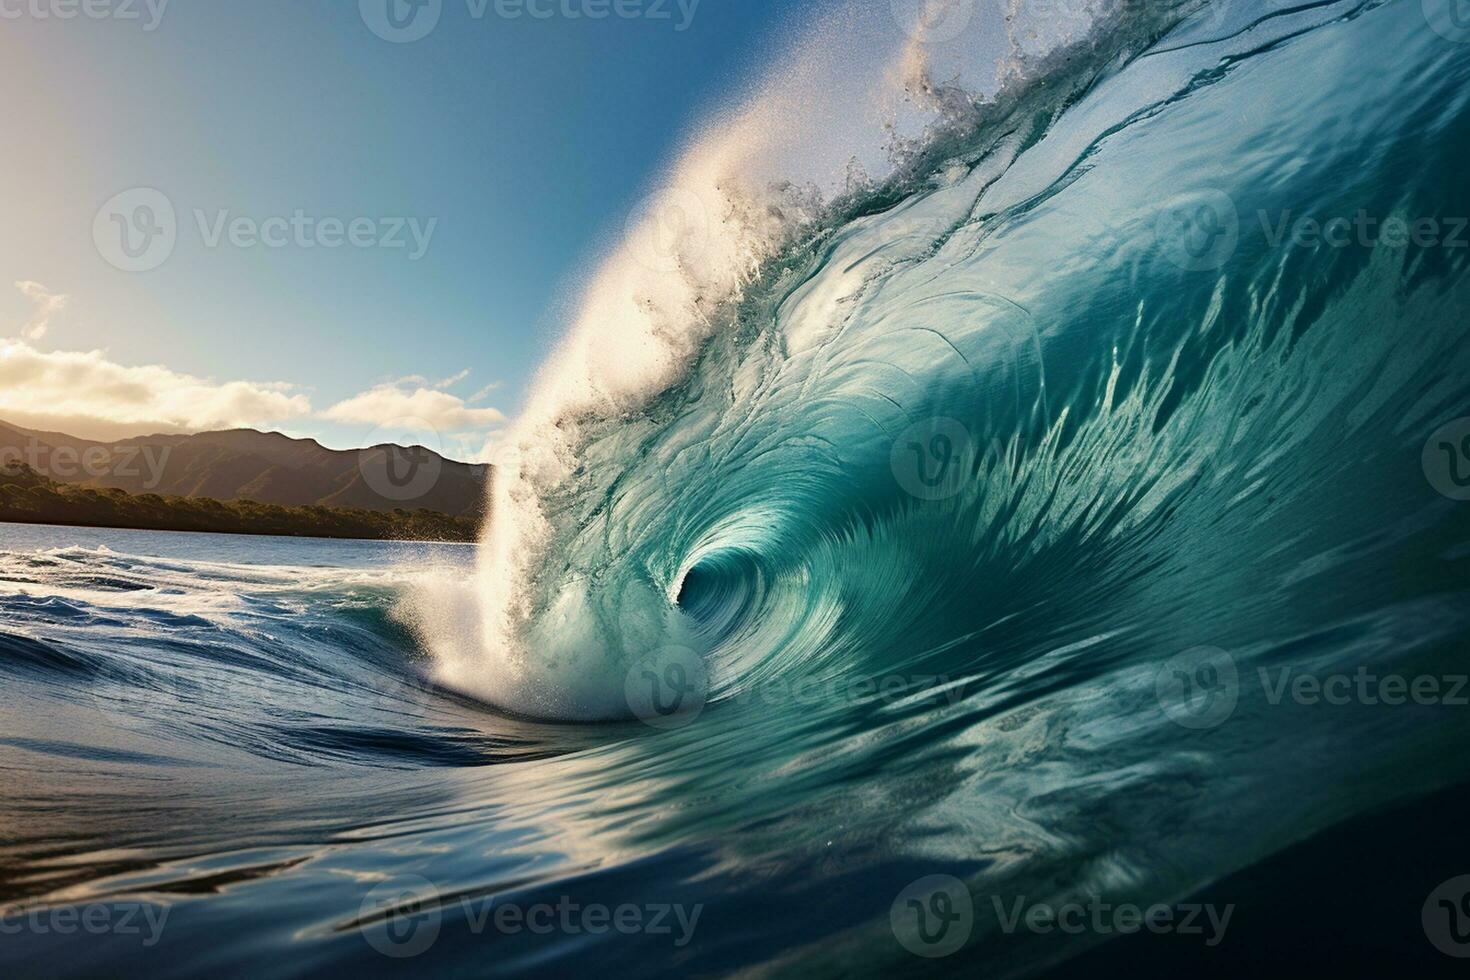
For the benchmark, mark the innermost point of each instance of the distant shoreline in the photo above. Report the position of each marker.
(28, 497)
(80, 525)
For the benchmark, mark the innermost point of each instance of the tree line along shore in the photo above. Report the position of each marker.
(28, 497)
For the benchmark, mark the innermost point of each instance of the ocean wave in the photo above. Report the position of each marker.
(715, 467)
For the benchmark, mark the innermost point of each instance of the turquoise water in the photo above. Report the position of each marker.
(1026, 519)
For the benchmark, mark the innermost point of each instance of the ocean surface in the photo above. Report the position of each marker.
(1072, 519)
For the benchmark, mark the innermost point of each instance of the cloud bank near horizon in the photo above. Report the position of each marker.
(89, 395)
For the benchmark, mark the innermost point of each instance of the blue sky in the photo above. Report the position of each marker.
(526, 141)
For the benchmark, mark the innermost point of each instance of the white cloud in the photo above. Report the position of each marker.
(485, 391)
(410, 398)
(87, 395)
(47, 304)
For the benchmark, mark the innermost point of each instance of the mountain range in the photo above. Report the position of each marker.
(247, 464)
